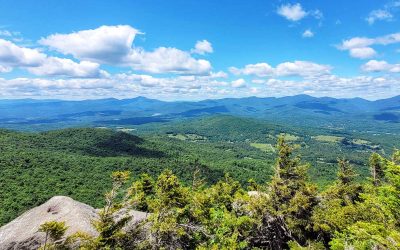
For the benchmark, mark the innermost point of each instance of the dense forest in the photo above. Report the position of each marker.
(284, 212)
(214, 182)
(76, 162)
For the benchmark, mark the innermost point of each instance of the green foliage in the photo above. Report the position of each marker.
(54, 231)
(110, 228)
(363, 235)
(377, 167)
(77, 163)
(290, 192)
(193, 209)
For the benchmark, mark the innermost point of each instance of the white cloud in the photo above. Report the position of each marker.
(202, 47)
(302, 68)
(114, 45)
(362, 53)
(335, 86)
(295, 12)
(258, 81)
(239, 83)
(360, 47)
(196, 87)
(385, 13)
(106, 44)
(39, 63)
(12, 55)
(168, 60)
(120, 85)
(308, 33)
(254, 90)
(380, 66)
(258, 69)
(292, 12)
(219, 74)
(379, 15)
(54, 66)
(296, 68)
(356, 42)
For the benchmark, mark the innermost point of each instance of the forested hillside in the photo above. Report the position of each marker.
(77, 163)
(318, 145)
(285, 212)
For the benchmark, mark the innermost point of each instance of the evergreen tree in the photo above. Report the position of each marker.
(377, 167)
(141, 191)
(291, 194)
(54, 231)
(110, 228)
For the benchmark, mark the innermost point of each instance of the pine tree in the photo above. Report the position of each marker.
(377, 167)
(54, 231)
(110, 229)
(141, 191)
(291, 194)
(347, 188)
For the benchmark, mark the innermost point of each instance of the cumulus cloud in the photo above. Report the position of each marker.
(335, 86)
(258, 69)
(219, 74)
(113, 45)
(54, 66)
(360, 47)
(380, 66)
(196, 87)
(124, 85)
(292, 12)
(362, 53)
(308, 33)
(295, 12)
(12, 55)
(39, 63)
(296, 68)
(106, 44)
(202, 47)
(302, 68)
(239, 83)
(168, 60)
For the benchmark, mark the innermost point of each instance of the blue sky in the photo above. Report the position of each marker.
(191, 50)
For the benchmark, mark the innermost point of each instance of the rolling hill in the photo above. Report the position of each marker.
(300, 110)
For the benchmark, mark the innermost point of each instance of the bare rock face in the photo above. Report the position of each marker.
(22, 233)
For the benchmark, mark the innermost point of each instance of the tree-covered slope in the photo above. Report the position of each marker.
(77, 163)
(319, 146)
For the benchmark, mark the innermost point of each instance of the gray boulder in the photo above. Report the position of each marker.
(22, 233)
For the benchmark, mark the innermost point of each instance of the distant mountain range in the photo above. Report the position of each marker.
(299, 110)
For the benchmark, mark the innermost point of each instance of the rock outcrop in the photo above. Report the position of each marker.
(22, 233)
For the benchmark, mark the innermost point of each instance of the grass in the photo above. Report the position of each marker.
(361, 142)
(187, 137)
(290, 137)
(266, 147)
(328, 138)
